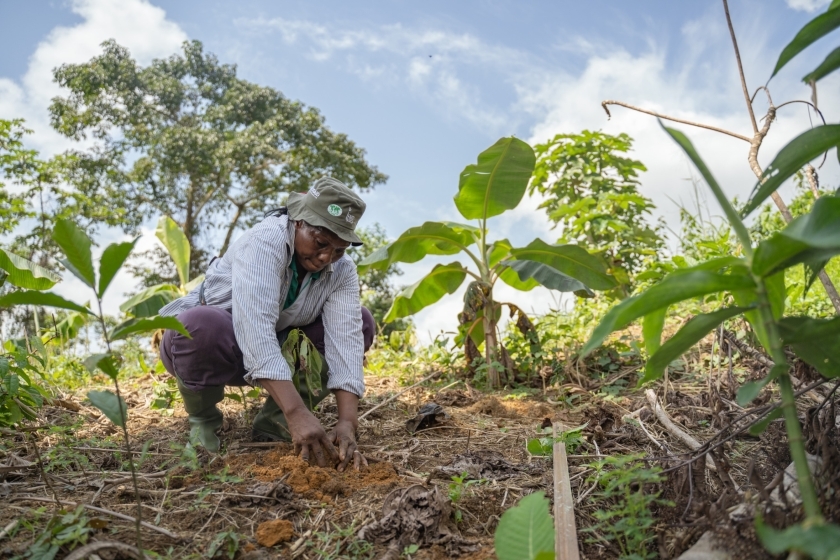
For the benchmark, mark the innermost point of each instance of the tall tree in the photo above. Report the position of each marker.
(591, 192)
(187, 138)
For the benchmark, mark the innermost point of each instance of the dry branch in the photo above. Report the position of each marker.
(118, 515)
(673, 429)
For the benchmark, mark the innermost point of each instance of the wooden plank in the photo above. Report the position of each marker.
(565, 531)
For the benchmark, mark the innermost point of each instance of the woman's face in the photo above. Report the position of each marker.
(317, 247)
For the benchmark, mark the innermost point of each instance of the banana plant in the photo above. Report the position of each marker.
(149, 301)
(488, 188)
(753, 284)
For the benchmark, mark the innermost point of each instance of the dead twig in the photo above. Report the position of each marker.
(8, 529)
(118, 515)
(675, 430)
(93, 547)
(604, 104)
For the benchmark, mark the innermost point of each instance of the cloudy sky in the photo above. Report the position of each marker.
(425, 86)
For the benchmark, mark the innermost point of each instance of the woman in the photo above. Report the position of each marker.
(289, 271)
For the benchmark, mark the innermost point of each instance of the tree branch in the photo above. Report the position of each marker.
(740, 67)
(674, 119)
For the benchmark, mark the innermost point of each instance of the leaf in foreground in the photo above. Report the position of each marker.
(525, 530)
(26, 274)
(147, 324)
(46, 299)
(110, 405)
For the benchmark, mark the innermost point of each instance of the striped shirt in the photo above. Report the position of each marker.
(252, 279)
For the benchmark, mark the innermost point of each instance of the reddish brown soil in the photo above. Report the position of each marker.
(511, 409)
(275, 532)
(315, 482)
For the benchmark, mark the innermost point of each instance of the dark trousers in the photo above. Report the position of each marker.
(212, 358)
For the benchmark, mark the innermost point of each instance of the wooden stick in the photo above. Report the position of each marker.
(675, 430)
(118, 515)
(392, 397)
(565, 532)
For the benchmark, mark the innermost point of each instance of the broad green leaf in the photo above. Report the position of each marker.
(138, 325)
(820, 542)
(526, 275)
(570, 260)
(150, 301)
(193, 284)
(46, 299)
(674, 288)
(177, 245)
(652, 325)
(107, 362)
(728, 210)
(689, 335)
(497, 182)
(811, 32)
(775, 287)
(443, 279)
(26, 274)
(812, 239)
(816, 341)
(111, 406)
(829, 65)
(76, 247)
(798, 152)
(431, 238)
(525, 530)
(112, 260)
(498, 251)
(750, 390)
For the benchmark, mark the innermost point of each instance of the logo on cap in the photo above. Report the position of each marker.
(334, 209)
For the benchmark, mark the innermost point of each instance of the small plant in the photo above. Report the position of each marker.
(68, 529)
(526, 531)
(543, 446)
(409, 550)
(495, 184)
(457, 488)
(224, 544)
(629, 522)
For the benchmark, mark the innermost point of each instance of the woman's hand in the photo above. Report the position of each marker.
(310, 439)
(343, 435)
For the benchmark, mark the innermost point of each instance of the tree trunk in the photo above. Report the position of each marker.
(231, 229)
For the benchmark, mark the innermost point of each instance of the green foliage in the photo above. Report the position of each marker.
(224, 544)
(495, 184)
(112, 406)
(25, 273)
(64, 530)
(624, 483)
(526, 531)
(592, 193)
(187, 138)
(814, 30)
(457, 488)
(305, 361)
(21, 394)
(821, 542)
(377, 289)
(544, 446)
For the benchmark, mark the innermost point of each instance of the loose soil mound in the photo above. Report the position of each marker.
(275, 532)
(315, 482)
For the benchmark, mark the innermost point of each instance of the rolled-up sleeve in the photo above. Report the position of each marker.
(343, 341)
(257, 276)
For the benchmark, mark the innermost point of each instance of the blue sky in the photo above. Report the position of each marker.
(424, 87)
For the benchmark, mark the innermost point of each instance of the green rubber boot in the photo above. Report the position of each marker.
(205, 419)
(270, 423)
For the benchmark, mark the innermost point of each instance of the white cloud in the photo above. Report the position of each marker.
(807, 5)
(135, 24)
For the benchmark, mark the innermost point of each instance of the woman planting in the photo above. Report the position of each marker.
(289, 271)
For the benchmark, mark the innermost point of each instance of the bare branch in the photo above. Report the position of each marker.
(740, 67)
(674, 119)
(813, 180)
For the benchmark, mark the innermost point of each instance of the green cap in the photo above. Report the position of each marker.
(331, 204)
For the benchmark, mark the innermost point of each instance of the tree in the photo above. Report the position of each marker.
(378, 292)
(592, 194)
(493, 185)
(186, 138)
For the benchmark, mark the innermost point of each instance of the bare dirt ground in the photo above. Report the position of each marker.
(282, 507)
